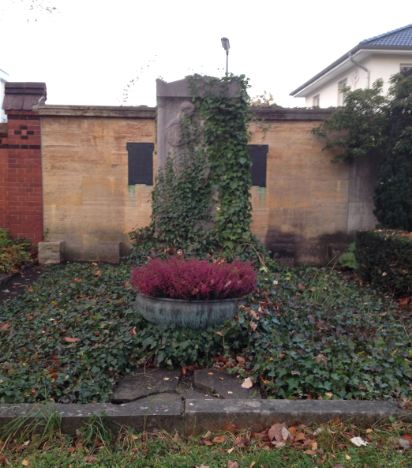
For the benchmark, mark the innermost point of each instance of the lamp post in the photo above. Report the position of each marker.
(226, 46)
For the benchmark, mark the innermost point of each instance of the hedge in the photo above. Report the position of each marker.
(385, 259)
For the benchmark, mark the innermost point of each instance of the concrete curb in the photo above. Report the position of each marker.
(192, 417)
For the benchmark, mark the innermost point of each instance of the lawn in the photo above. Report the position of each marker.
(306, 333)
(328, 446)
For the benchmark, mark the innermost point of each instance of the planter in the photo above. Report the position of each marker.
(185, 313)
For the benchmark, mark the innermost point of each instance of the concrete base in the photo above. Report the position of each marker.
(200, 415)
(50, 252)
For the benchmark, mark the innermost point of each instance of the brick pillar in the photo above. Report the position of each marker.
(20, 162)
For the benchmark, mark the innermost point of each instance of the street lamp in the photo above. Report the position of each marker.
(226, 46)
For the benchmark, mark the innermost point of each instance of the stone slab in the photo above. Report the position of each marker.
(222, 384)
(140, 416)
(187, 390)
(198, 416)
(212, 415)
(50, 252)
(145, 383)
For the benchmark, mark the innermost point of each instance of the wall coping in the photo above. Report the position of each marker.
(122, 112)
(292, 113)
(146, 112)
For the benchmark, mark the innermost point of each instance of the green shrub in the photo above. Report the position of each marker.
(13, 253)
(385, 259)
(348, 259)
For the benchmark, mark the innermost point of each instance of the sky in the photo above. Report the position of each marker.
(105, 52)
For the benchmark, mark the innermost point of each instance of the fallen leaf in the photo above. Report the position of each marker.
(90, 458)
(232, 464)
(229, 427)
(241, 442)
(405, 441)
(292, 431)
(69, 339)
(241, 360)
(133, 331)
(25, 462)
(219, 439)
(252, 464)
(404, 301)
(310, 452)
(206, 442)
(4, 326)
(299, 437)
(247, 383)
(3, 460)
(229, 451)
(359, 442)
(253, 325)
(278, 432)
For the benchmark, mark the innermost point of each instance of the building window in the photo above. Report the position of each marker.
(405, 67)
(342, 86)
(258, 155)
(140, 163)
(316, 100)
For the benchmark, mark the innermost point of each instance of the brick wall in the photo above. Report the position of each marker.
(21, 210)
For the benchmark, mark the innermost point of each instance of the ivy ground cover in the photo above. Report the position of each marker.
(306, 333)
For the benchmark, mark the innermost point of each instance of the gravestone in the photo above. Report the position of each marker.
(175, 101)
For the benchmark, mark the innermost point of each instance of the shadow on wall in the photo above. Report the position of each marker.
(293, 249)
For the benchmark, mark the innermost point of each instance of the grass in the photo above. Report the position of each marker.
(306, 333)
(91, 447)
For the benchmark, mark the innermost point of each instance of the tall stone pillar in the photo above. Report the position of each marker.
(175, 100)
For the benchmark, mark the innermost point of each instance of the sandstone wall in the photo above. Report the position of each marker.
(306, 213)
(87, 200)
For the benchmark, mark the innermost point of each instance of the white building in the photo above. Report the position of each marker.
(3, 79)
(378, 57)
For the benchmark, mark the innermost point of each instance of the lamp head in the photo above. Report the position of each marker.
(225, 43)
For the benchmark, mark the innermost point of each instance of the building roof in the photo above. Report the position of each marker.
(398, 39)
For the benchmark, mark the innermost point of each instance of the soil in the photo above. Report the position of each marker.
(19, 282)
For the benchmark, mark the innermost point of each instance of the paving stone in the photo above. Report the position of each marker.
(145, 383)
(186, 390)
(222, 384)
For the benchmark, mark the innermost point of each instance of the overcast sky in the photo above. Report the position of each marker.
(87, 51)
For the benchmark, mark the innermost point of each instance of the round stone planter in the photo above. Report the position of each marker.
(184, 313)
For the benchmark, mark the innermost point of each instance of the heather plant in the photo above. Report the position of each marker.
(178, 278)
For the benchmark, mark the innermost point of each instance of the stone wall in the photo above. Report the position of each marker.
(308, 210)
(21, 209)
(87, 201)
(311, 205)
